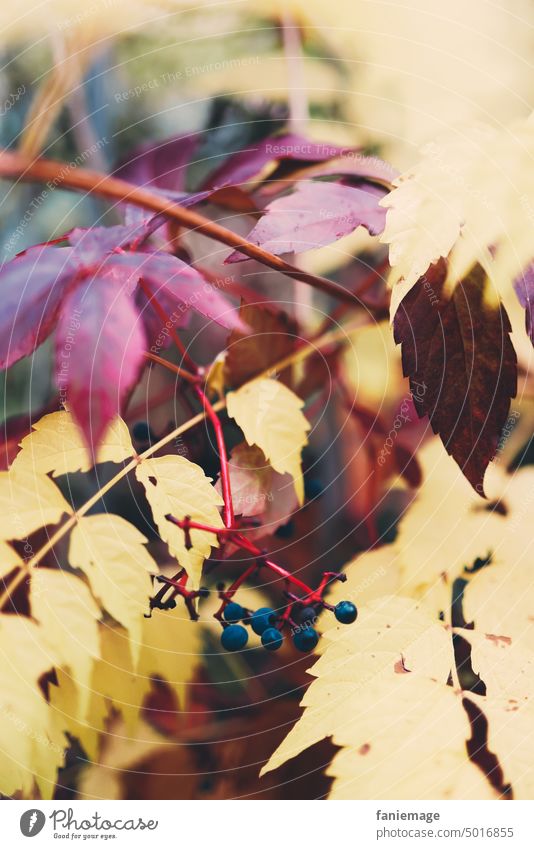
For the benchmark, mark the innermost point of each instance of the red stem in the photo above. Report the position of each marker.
(228, 512)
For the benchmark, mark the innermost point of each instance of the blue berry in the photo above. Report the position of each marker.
(234, 638)
(233, 612)
(271, 639)
(142, 432)
(262, 619)
(345, 612)
(307, 616)
(306, 640)
(313, 488)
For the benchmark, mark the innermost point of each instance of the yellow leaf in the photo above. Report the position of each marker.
(270, 416)
(468, 194)
(446, 528)
(67, 717)
(391, 637)
(56, 445)
(175, 485)
(8, 559)
(64, 606)
(170, 650)
(499, 598)
(31, 749)
(112, 554)
(405, 740)
(27, 503)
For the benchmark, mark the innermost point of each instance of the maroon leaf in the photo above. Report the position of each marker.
(249, 163)
(100, 342)
(316, 214)
(32, 286)
(458, 355)
(524, 288)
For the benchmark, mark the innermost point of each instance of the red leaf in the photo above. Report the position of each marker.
(249, 163)
(316, 214)
(461, 363)
(100, 342)
(32, 287)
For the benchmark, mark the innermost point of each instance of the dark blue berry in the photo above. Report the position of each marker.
(286, 531)
(271, 639)
(233, 612)
(262, 619)
(307, 616)
(234, 638)
(313, 488)
(306, 640)
(345, 612)
(142, 432)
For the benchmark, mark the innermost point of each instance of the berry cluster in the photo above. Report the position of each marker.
(268, 624)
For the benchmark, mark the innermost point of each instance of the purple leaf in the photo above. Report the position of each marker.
(100, 341)
(170, 279)
(524, 289)
(92, 244)
(161, 164)
(248, 163)
(181, 283)
(316, 214)
(32, 288)
(158, 334)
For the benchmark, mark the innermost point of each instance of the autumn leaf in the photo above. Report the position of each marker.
(56, 445)
(256, 159)
(175, 486)
(258, 491)
(30, 749)
(271, 337)
(394, 654)
(8, 559)
(89, 290)
(65, 608)
(112, 553)
(466, 199)
(461, 364)
(314, 215)
(27, 502)
(269, 414)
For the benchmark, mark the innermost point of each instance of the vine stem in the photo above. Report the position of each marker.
(54, 173)
(297, 356)
(203, 398)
